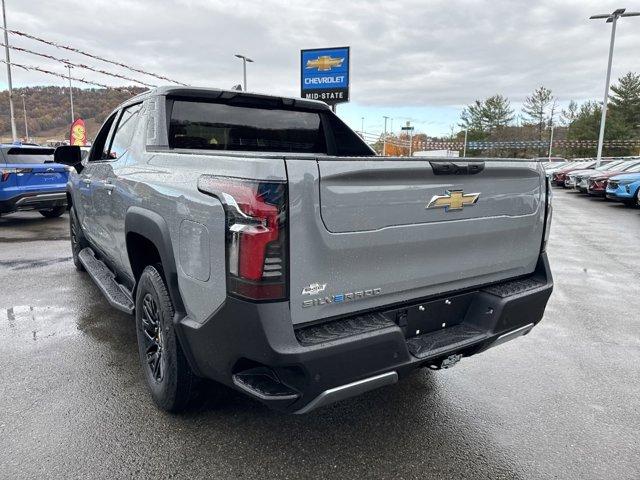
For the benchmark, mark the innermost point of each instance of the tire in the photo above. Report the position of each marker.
(78, 240)
(53, 213)
(165, 368)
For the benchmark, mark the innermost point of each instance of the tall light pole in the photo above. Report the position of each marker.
(550, 141)
(464, 149)
(362, 126)
(384, 139)
(244, 68)
(26, 127)
(73, 118)
(14, 133)
(611, 18)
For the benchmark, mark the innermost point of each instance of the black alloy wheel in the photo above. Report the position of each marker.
(153, 339)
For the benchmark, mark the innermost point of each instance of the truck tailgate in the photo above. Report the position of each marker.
(363, 236)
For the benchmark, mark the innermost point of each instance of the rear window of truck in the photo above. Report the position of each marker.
(219, 126)
(28, 155)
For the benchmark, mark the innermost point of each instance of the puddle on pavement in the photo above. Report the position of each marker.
(25, 326)
(35, 324)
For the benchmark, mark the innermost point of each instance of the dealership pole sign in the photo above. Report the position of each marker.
(325, 74)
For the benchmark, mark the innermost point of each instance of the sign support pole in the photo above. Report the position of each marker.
(14, 133)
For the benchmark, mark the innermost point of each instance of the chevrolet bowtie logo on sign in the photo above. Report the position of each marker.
(453, 200)
(325, 63)
(324, 74)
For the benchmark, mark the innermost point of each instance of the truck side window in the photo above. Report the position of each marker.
(124, 131)
(100, 143)
(217, 126)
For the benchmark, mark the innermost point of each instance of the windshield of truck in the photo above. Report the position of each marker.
(29, 155)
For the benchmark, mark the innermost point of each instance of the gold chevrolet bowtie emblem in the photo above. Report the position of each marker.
(453, 200)
(325, 63)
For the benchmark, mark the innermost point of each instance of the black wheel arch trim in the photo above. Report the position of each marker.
(154, 228)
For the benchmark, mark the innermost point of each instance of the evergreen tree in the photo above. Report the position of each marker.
(471, 117)
(538, 108)
(586, 126)
(496, 113)
(570, 114)
(625, 102)
(485, 116)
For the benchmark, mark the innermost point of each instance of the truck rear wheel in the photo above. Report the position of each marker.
(53, 213)
(165, 368)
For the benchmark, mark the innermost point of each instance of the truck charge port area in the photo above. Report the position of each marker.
(73, 402)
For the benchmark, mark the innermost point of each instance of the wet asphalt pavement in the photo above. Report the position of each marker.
(562, 402)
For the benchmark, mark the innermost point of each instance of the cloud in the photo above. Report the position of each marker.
(404, 53)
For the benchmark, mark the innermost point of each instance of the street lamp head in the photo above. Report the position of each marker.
(244, 57)
(615, 14)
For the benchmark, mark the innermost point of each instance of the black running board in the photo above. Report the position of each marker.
(105, 279)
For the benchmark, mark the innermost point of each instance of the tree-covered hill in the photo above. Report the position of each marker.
(48, 109)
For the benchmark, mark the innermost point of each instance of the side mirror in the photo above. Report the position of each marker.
(68, 155)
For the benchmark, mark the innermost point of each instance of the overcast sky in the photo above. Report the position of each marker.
(418, 60)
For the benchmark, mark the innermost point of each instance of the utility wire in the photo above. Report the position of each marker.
(90, 55)
(76, 65)
(61, 75)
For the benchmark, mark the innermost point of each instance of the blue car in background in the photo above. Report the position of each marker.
(29, 180)
(625, 188)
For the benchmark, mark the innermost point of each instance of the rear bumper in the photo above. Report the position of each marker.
(254, 347)
(34, 201)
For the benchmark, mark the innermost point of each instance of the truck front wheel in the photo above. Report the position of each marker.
(165, 368)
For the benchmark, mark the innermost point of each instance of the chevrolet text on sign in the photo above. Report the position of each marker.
(325, 74)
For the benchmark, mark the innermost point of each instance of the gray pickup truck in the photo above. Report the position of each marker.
(260, 243)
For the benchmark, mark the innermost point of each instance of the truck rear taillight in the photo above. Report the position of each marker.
(6, 172)
(256, 235)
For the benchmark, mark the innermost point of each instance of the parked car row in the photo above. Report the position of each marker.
(615, 178)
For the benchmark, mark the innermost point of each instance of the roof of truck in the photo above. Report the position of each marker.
(218, 93)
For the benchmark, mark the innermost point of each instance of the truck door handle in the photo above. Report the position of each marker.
(109, 187)
(456, 168)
